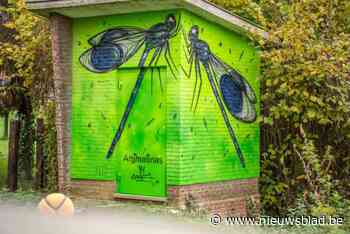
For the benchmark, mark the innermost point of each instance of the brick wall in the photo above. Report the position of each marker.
(61, 30)
(93, 189)
(225, 198)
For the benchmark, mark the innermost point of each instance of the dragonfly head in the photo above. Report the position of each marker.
(194, 33)
(170, 21)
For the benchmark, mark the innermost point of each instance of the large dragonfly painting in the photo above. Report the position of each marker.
(112, 48)
(236, 95)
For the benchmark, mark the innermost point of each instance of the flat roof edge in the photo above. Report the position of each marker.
(226, 18)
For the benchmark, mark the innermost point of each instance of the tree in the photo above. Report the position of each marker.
(25, 62)
(25, 52)
(306, 103)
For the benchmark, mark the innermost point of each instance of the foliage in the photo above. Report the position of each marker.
(26, 150)
(26, 64)
(12, 97)
(305, 103)
(248, 9)
(50, 147)
(25, 55)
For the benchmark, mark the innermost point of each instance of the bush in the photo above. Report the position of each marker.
(305, 138)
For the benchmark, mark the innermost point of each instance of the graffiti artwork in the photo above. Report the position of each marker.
(236, 93)
(147, 159)
(143, 176)
(114, 47)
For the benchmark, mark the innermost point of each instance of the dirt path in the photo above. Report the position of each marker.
(18, 215)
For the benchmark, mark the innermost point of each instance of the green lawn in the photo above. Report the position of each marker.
(3, 162)
(3, 155)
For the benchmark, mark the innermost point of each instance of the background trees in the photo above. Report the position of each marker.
(26, 87)
(306, 81)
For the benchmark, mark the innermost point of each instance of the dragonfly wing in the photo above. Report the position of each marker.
(102, 58)
(115, 35)
(130, 39)
(238, 95)
(236, 100)
(247, 88)
(112, 48)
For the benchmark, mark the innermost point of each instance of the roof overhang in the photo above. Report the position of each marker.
(90, 8)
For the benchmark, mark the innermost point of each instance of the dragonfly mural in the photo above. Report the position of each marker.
(232, 92)
(114, 47)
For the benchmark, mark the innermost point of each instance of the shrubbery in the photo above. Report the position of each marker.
(26, 64)
(305, 104)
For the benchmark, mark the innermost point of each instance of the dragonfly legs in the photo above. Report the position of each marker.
(198, 77)
(159, 77)
(188, 55)
(213, 72)
(132, 98)
(224, 114)
(170, 61)
(190, 61)
(159, 74)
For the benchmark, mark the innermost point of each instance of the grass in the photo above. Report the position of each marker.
(3, 161)
(20, 198)
(3, 155)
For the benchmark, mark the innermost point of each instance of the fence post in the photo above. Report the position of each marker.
(13, 155)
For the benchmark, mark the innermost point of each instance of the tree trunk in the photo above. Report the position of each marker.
(13, 155)
(4, 3)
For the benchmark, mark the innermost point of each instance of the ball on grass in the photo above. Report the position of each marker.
(56, 204)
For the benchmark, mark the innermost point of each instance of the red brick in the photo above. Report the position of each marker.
(226, 198)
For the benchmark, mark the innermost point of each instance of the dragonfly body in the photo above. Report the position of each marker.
(236, 94)
(113, 47)
(201, 50)
(158, 35)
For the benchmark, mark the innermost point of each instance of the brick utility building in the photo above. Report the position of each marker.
(156, 100)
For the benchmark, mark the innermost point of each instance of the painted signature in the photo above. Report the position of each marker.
(142, 176)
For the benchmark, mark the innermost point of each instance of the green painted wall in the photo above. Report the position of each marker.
(207, 153)
(99, 102)
(195, 145)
